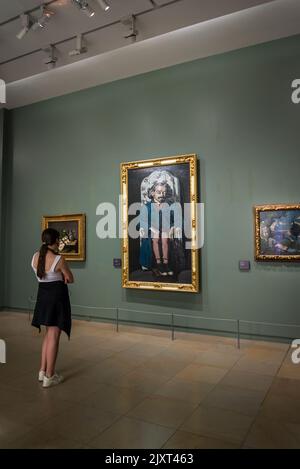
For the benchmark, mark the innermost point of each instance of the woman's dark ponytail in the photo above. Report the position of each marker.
(42, 261)
(49, 237)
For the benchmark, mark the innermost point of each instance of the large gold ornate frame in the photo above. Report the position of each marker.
(172, 160)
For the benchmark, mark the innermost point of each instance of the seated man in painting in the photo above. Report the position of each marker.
(159, 223)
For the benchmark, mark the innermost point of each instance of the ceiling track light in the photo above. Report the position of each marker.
(80, 46)
(46, 15)
(27, 22)
(130, 23)
(104, 5)
(84, 6)
(50, 60)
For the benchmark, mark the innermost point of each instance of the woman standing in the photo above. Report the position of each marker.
(52, 307)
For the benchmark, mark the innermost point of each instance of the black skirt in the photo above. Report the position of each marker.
(53, 306)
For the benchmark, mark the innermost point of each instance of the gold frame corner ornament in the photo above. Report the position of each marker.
(194, 286)
(80, 218)
(257, 240)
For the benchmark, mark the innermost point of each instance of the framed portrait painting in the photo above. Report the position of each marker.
(71, 230)
(277, 232)
(159, 224)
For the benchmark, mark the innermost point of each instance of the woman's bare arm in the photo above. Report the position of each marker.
(63, 267)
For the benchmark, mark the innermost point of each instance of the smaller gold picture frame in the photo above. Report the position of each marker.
(277, 232)
(72, 234)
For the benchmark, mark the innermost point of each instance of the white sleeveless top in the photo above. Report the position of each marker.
(51, 275)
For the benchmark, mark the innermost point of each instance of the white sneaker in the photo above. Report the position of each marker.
(42, 374)
(55, 379)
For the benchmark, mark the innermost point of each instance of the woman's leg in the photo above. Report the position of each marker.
(52, 349)
(44, 352)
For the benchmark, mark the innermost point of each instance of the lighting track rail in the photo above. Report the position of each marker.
(90, 31)
(28, 12)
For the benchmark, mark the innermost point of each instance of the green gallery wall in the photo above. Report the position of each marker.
(1, 208)
(233, 110)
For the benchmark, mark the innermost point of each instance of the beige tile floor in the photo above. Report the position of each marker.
(139, 389)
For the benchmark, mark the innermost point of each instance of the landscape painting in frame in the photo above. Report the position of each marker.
(277, 232)
(159, 223)
(71, 230)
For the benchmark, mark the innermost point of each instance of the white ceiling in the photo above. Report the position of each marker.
(174, 32)
(102, 32)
